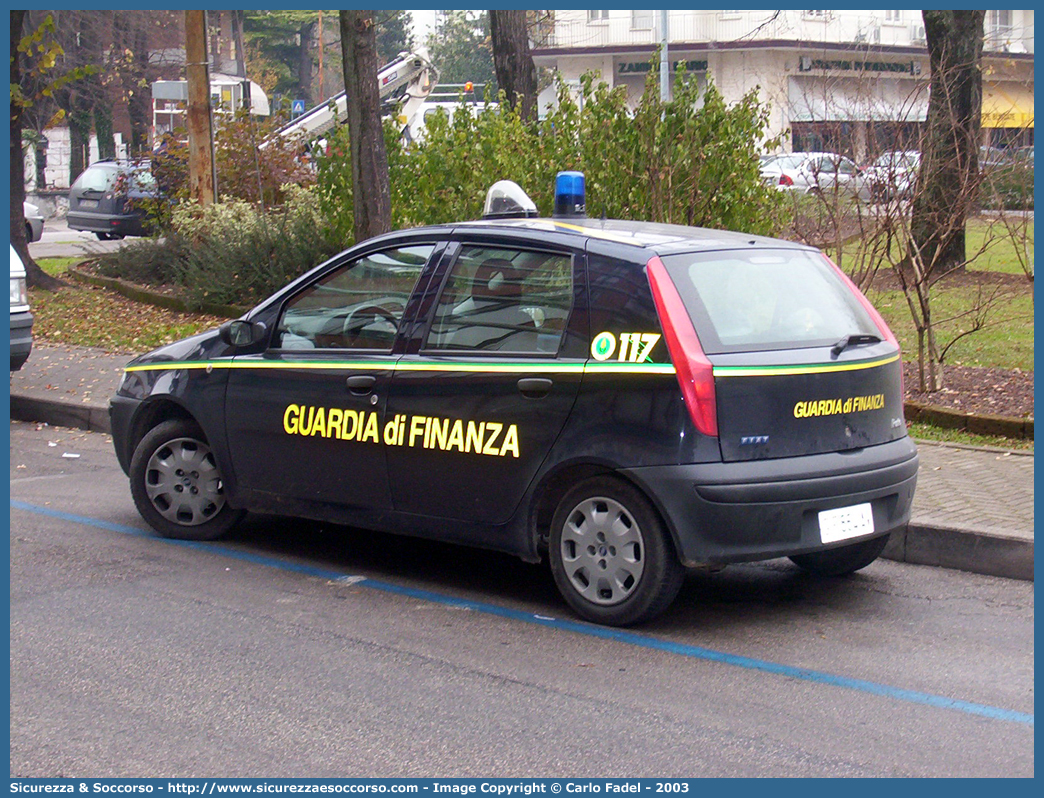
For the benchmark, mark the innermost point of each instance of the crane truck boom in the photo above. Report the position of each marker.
(406, 81)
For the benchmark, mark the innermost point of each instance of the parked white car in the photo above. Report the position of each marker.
(21, 318)
(813, 173)
(892, 174)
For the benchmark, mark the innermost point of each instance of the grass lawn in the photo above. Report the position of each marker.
(57, 266)
(1005, 342)
(87, 316)
(1000, 245)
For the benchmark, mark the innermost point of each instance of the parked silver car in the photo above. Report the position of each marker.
(34, 222)
(813, 173)
(892, 174)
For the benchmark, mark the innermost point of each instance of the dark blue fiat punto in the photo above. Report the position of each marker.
(628, 399)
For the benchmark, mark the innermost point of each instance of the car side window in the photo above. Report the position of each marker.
(504, 300)
(358, 306)
(826, 166)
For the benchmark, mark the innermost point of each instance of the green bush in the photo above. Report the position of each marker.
(1009, 187)
(692, 160)
(229, 253)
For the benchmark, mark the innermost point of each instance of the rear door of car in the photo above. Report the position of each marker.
(801, 365)
(488, 380)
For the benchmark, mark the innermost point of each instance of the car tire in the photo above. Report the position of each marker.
(177, 486)
(611, 555)
(843, 560)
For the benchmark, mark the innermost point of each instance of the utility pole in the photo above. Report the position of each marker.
(665, 71)
(202, 177)
(320, 56)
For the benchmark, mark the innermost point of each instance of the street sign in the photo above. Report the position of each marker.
(297, 107)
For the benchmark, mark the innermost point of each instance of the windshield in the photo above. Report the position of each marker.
(897, 160)
(743, 301)
(96, 178)
(786, 162)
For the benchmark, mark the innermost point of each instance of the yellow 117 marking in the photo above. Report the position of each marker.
(633, 347)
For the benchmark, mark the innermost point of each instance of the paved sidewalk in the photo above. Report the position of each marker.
(973, 509)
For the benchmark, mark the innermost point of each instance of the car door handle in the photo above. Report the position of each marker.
(361, 384)
(535, 387)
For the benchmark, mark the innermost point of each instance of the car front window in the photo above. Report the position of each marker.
(358, 306)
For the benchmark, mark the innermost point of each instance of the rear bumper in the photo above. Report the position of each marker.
(21, 338)
(123, 225)
(737, 512)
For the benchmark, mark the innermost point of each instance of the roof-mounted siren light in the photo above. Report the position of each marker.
(506, 200)
(569, 194)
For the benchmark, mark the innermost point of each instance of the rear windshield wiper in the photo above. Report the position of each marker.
(849, 340)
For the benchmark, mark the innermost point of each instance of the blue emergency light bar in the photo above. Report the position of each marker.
(569, 194)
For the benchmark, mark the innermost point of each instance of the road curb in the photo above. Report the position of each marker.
(60, 414)
(981, 424)
(962, 550)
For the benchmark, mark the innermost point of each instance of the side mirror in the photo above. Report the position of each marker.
(240, 332)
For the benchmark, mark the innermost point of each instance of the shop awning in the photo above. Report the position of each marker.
(1007, 105)
(856, 99)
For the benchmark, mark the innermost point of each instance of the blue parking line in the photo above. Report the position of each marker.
(579, 627)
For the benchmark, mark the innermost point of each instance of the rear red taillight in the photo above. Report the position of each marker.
(694, 371)
(786, 180)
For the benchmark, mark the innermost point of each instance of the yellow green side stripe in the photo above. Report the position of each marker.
(545, 367)
(812, 368)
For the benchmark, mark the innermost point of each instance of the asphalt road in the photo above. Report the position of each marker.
(298, 649)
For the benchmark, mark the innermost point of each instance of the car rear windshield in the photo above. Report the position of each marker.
(745, 301)
(96, 178)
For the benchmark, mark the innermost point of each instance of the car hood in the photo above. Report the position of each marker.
(202, 346)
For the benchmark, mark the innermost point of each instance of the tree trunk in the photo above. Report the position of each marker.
(513, 62)
(79, 134)
(35, 276)
(130, 33)
(949, 175)
(371, 191)
(304, 63)
(202, 181)
(103, 127)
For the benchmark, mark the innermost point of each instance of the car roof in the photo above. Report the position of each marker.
(660, 238)
(114, 163)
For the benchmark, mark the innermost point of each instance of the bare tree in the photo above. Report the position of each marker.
(513, 61)
(889, 242)
(371, 191)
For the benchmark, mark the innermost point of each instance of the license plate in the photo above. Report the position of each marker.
(88, 203)
(846, 522)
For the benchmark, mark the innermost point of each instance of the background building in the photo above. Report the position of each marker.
(854, 82)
